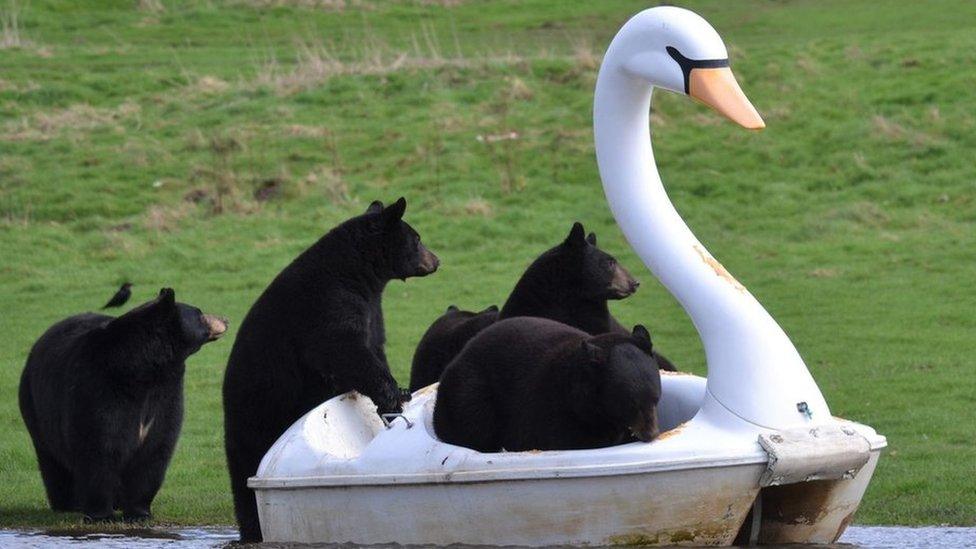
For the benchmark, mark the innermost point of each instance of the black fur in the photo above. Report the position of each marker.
(102, 398)
(535, 384)
(570, 283)
(316, 332)
(444, 340)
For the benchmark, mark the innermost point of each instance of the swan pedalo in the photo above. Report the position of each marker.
(749, 454)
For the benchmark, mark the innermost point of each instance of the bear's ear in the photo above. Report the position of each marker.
(594, 353)
(577, 236)
(452, 309)
(490, 309)
(591, 239)
(394, 212)
(375, 207)
(643, 338)
(167, 297)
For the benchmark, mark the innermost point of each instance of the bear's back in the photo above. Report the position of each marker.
(515, 351)
(60, 344)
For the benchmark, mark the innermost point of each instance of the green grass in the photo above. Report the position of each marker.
(851, 217)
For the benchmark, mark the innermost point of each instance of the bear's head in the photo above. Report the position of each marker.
(398, 253)
(624, 382)
(166, 329)
(594, 273)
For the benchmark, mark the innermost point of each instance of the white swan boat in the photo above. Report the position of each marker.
(751, 454)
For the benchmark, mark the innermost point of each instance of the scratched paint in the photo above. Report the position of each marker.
(719, 269)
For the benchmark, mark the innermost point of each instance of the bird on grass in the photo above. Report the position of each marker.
(120, 296)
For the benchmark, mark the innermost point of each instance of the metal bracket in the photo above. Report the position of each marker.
(388, 419)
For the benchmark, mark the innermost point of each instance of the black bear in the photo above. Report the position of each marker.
(316, 332)
(535, 384)
(102, 398)
(570, 283)
(444, 340)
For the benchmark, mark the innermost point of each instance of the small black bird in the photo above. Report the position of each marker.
(120, 296)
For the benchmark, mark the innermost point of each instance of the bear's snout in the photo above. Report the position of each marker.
(216, 326)
(646, 427)
(428, 262)
(622, 284)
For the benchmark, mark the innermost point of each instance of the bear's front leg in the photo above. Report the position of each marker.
(141, 480)
(95, 488)
(349, 360)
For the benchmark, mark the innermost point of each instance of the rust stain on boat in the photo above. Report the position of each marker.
(719, 269)
(713, 535)
(807, 507)
(671, 432)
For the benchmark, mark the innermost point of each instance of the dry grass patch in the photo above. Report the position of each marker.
(302, 130)
(824, 272)
(327, 5)
(43, 126)
(479, 207)
(164, 219)
(329, 182)
(151, 6)
(11, 31)
(584, 57)
(209, 85)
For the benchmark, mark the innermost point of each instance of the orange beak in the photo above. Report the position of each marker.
(717, 88)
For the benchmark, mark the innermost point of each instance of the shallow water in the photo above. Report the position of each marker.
(873, 537)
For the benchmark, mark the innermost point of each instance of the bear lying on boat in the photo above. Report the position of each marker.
(535, 384)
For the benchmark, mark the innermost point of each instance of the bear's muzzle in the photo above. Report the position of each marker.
(216, 326)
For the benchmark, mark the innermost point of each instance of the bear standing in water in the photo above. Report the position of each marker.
(444, 340)
(534, 384)
(316, 332)
(102, 398)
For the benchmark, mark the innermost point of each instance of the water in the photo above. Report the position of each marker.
(869, 537)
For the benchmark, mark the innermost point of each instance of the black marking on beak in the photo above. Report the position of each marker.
(688, 64)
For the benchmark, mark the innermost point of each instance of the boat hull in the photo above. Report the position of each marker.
(695, 506)
(687, 507)
(339, 476)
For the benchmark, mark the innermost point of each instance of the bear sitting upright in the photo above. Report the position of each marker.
(444, 340)
(535, 384)
(316, 332)
(571, 283)
(102, 398)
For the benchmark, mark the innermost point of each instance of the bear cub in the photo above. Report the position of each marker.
(444, 340)
(316, 332)
(571, 283)
(102, 398)
(535, 384)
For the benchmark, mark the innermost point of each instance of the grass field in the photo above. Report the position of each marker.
(202, 145)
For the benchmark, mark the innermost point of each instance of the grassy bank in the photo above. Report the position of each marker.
(203, 145)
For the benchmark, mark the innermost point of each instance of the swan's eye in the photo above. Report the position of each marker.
(687, 64)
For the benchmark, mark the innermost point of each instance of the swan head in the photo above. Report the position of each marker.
(676, 49)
